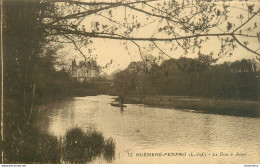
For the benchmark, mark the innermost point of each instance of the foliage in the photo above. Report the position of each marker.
(30, 146)
(95, 143)
(74, 146)
(30, 80)
(31, 27)
(48, 149)
(187, 25)
(92, 87)
(81, 147)
(22, 46)
(194, 78)
(244, 108)
(109, 149)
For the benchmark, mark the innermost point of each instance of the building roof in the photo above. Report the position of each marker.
(92, 64)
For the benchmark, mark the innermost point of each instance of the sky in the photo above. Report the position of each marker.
(106, 50)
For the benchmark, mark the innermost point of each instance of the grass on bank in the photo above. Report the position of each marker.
(76, 146)
(82, 147)
(213, 106)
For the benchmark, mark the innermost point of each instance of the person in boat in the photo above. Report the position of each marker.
(122, 99)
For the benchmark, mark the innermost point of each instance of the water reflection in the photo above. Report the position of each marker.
(141, 128)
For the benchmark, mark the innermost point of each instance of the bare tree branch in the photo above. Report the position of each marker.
(197, 29)
(179, 66)
(100, 3)
(246, 21)
(86, 13)
(61, 31)
(81, 14)
(76, 46)
(140, 51)
(155, 15)
(175, 34)
(112, 20)
(168, 14)
(245, 46)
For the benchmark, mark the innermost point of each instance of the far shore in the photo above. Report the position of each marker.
(246, 108)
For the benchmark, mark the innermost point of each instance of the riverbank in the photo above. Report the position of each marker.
(245, 108)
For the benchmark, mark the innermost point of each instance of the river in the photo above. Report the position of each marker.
(146, 134)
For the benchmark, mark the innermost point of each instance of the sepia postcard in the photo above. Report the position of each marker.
(130, 82)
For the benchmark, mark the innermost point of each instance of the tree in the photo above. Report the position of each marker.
(181, 23)
(30, 25)
(187, 24)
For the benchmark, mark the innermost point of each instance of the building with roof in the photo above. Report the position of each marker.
(84, 71)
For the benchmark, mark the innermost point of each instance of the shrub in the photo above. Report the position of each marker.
(94, 143)
(74, 147)
(109, 149)
(49, 149)
(82, 147)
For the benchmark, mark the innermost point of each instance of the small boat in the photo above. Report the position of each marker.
(117, 104)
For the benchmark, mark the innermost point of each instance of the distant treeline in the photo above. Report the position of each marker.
(54, 85)
(191, 77)
(93, 87)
